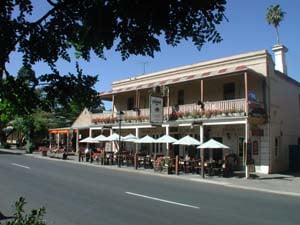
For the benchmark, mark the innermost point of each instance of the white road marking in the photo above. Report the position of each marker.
(19, 165)
(162, 200)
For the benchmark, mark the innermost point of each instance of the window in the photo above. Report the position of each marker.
(180, 97)
(229, 91)
(130, 103)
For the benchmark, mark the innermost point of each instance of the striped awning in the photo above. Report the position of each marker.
(176, 80)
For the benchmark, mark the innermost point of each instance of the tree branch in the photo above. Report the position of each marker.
(51, 3)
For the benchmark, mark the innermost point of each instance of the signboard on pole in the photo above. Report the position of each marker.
(156, 110)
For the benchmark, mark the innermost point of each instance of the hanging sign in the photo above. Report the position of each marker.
(156, 110)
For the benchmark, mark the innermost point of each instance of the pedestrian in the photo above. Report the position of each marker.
(87, 154)
(80, 155)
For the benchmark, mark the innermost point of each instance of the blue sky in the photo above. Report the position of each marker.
(247, 30)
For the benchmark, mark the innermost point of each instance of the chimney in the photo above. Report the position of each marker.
(279, 53)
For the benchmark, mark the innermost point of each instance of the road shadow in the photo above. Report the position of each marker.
(10, 153)
(288, 176)
(292, 173)
(3, 217)
(275, 178)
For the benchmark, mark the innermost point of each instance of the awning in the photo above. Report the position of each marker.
(181, 79)
(62, 130)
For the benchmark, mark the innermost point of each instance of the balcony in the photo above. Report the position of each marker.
(227, 108)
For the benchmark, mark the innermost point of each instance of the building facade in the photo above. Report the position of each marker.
(244, 101)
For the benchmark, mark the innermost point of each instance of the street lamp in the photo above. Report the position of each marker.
(120, 116)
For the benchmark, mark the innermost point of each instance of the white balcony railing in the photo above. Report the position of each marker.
(220, 106)
(227, 105)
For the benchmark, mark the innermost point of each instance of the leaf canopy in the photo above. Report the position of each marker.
(131, 27)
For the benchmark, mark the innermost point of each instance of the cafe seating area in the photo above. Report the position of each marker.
(215, 161)
(160, 163)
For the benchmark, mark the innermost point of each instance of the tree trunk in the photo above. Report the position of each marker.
(277, 35)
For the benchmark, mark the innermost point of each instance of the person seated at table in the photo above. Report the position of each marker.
(187, 163)
(187, 157)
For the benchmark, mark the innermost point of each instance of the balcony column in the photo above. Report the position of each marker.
(202, 150)
(137, 134)
(245, 156)
(246, 92)
(201, 133)
(137, 99)
(136, 149)
(168, 145)
(168, 102)
(113, 105)
(201, 91)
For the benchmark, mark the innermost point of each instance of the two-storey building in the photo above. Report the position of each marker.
(246, 101)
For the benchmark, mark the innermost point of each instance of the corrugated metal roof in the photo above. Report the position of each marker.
(177, 80)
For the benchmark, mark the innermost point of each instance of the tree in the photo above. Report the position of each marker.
(133, 27)
(27, 75)
(68, 95)
(130, 27)
(16, 99)
(32, 110)
(19, 127)
(274, 16)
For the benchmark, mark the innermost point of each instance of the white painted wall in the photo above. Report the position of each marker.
(284, 118)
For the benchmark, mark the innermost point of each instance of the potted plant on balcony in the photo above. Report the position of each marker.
(129, 119)
(207, 113)
(231, 112)
(187, 115)
(141, 118)
(241, 112)
(180, 115)
(225, 113)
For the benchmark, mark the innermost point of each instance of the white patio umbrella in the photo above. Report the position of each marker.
(166, 139)
(187, 140)
(101, 137)
(145, 139)
(129, 138)
(210, 144)
(114, 137)
(213, 144)
(89, 140)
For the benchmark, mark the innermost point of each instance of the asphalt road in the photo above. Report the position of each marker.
(78, 194)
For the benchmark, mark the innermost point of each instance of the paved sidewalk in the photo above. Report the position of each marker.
(283, 184)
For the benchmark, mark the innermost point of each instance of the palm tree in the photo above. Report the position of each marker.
(274, 17)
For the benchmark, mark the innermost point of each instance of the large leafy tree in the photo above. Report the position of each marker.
(130, 27)
(133, 27)
(274, 16)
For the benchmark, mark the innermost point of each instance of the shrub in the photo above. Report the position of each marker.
(35, 217)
